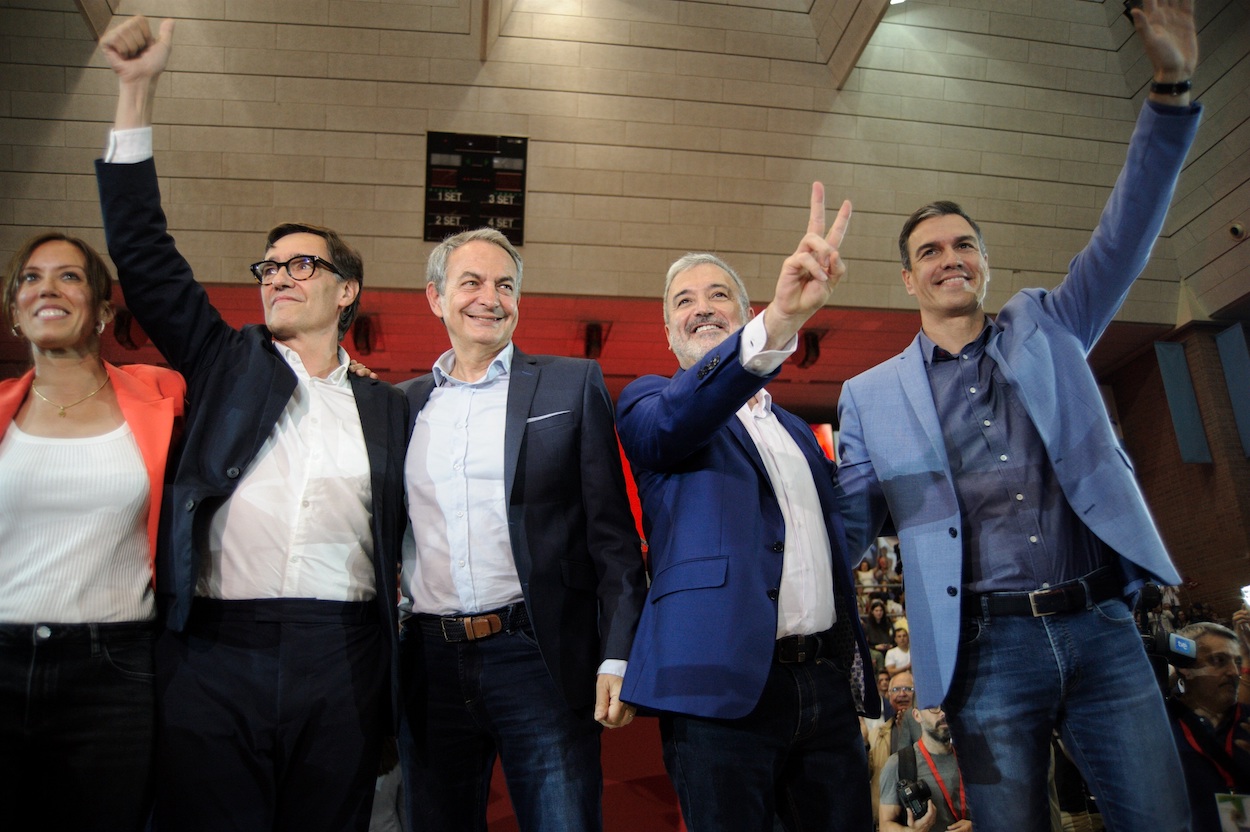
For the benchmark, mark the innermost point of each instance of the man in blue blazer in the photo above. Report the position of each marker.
(750, 648)
(523, 575)
(276, 570)
(1020, 522)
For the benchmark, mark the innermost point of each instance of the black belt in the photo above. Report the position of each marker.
(458, 628)
(798, 649)
(1066, 597)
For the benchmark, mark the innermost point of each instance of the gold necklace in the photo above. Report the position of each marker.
(61, 408)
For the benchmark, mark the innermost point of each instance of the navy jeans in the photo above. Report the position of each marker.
(798, 757)
(1085, 673)
(76, 726)
(467, 703)
(272, 715)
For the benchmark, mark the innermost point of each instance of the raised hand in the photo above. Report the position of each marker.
(138, 57)
(134, 52)
(1169, 38)
(809, 274)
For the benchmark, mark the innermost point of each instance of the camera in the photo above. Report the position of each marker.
(1162, 648)
(914, 795)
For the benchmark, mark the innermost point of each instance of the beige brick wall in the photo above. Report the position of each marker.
(655, 126)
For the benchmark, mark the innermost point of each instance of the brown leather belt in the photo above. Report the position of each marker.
(455, 629)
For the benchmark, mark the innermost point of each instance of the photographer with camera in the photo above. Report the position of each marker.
(920, 785)
(1208, 712)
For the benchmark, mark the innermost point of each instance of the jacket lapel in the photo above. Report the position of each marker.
(522, 383)
(915, 383)
(373, 415)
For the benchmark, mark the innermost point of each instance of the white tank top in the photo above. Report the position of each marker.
(73, 529)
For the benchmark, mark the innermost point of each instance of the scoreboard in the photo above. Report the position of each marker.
(473, 181)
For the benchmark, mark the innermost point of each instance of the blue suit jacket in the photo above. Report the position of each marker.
(891, 449)
(573, 538)
(237, 387)
(716, 535)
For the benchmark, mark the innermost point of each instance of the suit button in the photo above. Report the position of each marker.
(232, 472)
(778, 547)
(773, 595)
(951, 591)
(951, 531)
(190, 504)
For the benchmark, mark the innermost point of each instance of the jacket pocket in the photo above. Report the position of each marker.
(700, 573)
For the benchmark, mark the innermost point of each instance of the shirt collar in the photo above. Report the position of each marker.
(763, 405)
(337, 376)
(500, 365)
(932, 352)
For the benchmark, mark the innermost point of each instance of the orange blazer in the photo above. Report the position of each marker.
(151, 399)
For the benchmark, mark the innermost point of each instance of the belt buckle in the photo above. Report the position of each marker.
(1033, 602)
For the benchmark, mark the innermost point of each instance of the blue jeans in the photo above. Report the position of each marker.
(77, 715)
(798, 757)
(467, 703)
(1086, 674)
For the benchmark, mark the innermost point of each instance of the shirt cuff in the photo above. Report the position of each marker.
(757, 360)
(126, 147)
(615, 667)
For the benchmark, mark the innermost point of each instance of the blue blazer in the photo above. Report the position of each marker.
(237, 387)
(573, 537)
(716, 536)
(891, 449)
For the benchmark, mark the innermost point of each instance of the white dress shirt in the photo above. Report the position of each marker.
(457, 553)
(805, 604)
(299, 524)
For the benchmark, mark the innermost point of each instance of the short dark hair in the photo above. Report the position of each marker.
(941, 208)
(99, 278)
(345, 258)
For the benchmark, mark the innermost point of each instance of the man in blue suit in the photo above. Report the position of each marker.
(749, 647)
(1018, 516)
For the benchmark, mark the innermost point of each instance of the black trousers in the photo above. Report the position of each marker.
(270, 716)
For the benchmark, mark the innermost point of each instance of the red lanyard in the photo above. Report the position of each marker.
(1228, 748)
(963, 799)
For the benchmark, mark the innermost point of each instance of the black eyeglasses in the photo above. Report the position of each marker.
(300, 267)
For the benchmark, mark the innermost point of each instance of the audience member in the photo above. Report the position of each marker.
(930, 760)
(1209, 714)
(898, 657)
(897, 732)
(879, 631)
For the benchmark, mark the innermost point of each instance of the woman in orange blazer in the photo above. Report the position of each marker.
(83, 451)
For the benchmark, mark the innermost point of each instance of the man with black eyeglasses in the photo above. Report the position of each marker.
(276, 572)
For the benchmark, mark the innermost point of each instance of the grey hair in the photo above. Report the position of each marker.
(436, 267)
(689, 261)
(1199, 629)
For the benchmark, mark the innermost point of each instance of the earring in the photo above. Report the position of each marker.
(16, 330)
(99, 328)
(1180, 685)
